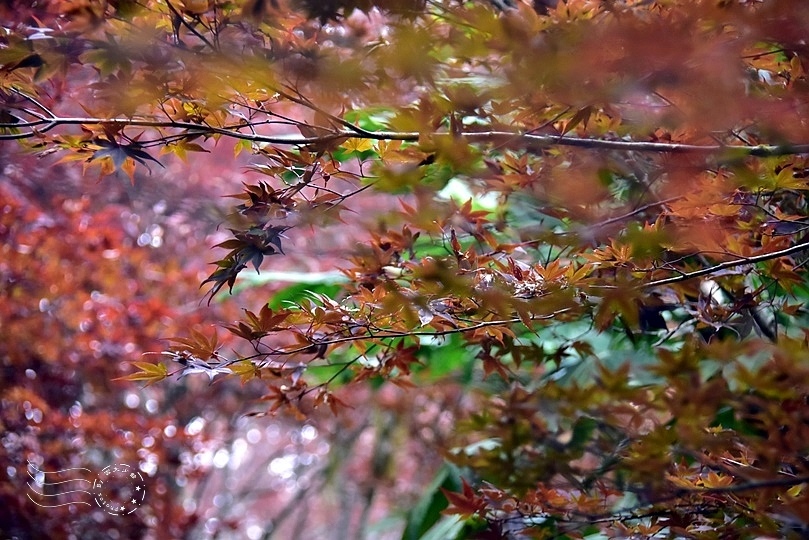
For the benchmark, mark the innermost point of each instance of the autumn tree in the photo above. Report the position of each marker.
(588, 215)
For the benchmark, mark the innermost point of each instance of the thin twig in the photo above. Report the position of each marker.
(190, 28)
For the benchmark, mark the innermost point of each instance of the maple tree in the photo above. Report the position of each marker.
(589, 216)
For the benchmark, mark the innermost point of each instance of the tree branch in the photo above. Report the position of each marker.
(506, 138)
(391, 334)
(728, 264)
(639, 511)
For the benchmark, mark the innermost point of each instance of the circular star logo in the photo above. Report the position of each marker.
(119, 489)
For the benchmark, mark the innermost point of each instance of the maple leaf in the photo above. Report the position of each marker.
(149, 372)
(713, 480)
(467, 503)
(358, 146)
(120, 153)
(246, 370)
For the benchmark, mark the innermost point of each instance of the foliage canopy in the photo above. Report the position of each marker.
(599, 228)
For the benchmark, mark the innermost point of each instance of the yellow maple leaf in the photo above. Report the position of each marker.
(714, 480)
(355, 144)
(151, 373)
(246, 370)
